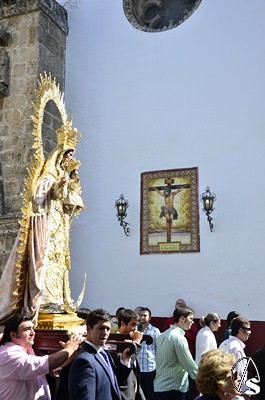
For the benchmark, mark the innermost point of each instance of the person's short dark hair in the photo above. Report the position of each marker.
(83, 313)
(126, 315)
(148, 310)
(230, 316)
(182, 312)
(237, 323)
(13, 324)
(97, 315)
(118, 310)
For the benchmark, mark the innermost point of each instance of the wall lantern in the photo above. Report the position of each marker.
(121, 205)
(208, 198)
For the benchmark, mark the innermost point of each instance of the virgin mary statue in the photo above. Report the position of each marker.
(36, 276)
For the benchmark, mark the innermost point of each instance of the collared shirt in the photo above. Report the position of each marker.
(22, 375)
(174, 361)
(190, 334)
(97, 348)
(205, 341)
(235, 346)
(147, 354)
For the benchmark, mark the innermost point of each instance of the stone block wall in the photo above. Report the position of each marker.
(8, 233)
(32, 41)
(4, 63)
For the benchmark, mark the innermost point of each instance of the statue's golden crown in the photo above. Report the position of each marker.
(68, 136)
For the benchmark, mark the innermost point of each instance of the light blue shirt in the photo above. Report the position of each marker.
(147, 354)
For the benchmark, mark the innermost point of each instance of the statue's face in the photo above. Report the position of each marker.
(68, 157)
(74, 175)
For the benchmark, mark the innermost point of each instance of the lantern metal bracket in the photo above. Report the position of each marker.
(208, 198)
(121, 206)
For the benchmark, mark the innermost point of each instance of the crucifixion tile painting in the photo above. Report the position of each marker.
(169, 211)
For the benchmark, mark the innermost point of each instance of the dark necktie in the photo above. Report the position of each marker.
(106, 359)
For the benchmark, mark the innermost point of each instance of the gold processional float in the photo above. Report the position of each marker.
(36, 276)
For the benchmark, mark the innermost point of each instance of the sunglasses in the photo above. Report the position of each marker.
(246, 329)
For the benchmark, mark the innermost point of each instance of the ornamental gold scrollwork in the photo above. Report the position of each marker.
(38, 268)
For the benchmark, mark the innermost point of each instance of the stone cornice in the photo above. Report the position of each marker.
(54, 10)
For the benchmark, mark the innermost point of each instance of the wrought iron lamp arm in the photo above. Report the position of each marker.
(121, 206)
(208, 198)
(124, 224)
(209, 220)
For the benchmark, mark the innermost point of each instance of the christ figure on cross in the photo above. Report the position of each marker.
(168, 210)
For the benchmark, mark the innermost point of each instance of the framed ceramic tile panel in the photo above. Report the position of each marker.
(169, 211)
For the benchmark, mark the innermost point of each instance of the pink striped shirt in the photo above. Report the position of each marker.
(22, 375)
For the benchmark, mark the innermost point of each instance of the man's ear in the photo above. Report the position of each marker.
(88, 331)
(13, 335)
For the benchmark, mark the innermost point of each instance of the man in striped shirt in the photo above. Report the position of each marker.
(174, 362)
(147, 354)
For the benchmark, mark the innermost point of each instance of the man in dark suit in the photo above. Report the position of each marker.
(93, 373)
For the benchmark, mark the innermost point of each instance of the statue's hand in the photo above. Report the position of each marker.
(62, 182)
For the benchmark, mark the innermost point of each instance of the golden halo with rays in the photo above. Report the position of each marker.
(47, 90)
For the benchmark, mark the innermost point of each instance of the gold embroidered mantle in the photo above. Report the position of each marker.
(37, 272)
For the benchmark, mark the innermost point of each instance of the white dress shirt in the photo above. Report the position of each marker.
(205, 341)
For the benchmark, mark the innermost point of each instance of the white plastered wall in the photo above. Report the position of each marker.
(191, 96)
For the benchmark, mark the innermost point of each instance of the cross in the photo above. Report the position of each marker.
(168, 211)
(168, 182)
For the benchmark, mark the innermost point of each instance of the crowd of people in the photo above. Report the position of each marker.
(180, 363)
